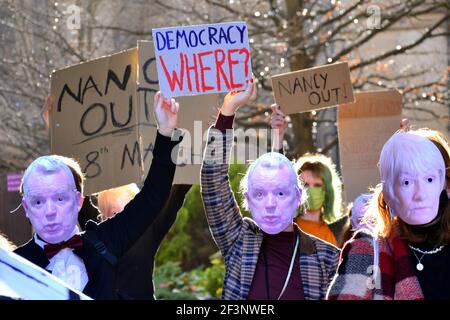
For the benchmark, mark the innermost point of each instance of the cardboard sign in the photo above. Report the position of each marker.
(203, 58)
(192, 118)
(95, 119)
(21, 279)
(363, 128)
(104, 119)
(314, 88)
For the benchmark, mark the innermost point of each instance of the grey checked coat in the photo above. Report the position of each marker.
(239, 238)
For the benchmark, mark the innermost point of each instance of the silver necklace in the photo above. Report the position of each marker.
(419, 265)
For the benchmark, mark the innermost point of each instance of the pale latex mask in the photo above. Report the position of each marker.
(52, 204)
(273, 198)
(413, 175)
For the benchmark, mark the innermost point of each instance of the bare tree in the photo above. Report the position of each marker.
(38, 37)
(284, 34)
(294, 34)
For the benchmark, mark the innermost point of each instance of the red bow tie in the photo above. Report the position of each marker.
(52, 249)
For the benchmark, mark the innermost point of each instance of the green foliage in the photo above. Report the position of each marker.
(179, 245)
(200, 283)
(214, 276)
(172, 283)
(236, 173)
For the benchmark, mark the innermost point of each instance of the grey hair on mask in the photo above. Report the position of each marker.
(48, 165)
(271, 160)
(407, 151)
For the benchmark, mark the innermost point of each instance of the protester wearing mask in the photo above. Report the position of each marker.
(321, 216)
(406, 256)
(267, 257)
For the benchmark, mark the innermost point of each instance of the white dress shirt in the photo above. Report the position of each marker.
(66, 265)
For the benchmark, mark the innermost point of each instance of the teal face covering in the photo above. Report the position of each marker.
(316, 198)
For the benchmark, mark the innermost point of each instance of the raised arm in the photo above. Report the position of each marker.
(222, 212)
(123, 230)
(279, 124)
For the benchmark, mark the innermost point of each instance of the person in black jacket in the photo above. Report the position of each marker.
(135, 268)
(88, 261)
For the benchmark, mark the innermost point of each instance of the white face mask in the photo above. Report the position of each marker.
(417, 196)
(273, 199)
(412, 170)
(52, 204)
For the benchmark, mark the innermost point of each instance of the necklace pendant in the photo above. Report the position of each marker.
(419, 266)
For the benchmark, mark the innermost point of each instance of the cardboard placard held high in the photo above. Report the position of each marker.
(314, 88)
(103, 117)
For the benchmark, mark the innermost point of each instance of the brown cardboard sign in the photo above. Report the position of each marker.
(363, 128)
(314, 88)
(103, 117)
(95, 119)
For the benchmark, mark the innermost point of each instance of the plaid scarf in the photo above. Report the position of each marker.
(394, 280)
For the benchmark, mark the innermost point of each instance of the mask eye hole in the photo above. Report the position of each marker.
(36, 202)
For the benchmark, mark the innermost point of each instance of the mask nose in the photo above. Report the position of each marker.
(271, 203)
(419, 191)
(50, 208)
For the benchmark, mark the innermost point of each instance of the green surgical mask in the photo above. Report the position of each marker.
(316, 198)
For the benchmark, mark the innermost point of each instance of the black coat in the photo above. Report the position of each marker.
(135, 274)
(123, 230)
(135, 269)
